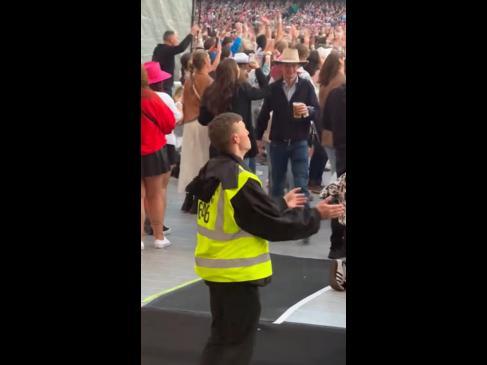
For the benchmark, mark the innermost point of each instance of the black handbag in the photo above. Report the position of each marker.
(315, 138)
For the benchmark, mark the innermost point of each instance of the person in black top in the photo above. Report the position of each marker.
(289, 131)
(235, 305)
(229, 93)
(164, 53)
(334, 119)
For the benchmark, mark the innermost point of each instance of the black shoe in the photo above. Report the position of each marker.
(306, 241)
(148, 228)
(166, 230)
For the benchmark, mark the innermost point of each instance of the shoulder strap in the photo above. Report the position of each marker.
(193, 83)
(151, 119)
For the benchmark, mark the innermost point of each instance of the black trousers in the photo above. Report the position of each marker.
(235, 310)
(317, 164)
(337, 239)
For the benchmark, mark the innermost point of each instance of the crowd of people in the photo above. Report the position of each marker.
(261, 82)
(318, 17)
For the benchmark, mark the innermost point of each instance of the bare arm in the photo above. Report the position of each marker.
(279, 32)
(216, 62)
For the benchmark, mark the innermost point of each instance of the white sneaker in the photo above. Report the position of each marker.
(162, 243)
(141, 245)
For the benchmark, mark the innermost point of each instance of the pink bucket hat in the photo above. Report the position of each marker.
(154, 72)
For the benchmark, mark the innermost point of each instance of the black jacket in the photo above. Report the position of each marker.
(241, 104)
(254, 211)
(284, 126)
(164, 54)
(335, 119)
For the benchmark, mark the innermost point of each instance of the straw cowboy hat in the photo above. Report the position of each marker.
(290, 55)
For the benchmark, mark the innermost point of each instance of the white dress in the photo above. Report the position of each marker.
(195, 152)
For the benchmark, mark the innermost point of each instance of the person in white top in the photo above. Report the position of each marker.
(178, 115)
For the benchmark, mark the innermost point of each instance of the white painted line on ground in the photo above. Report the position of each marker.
(296, 306)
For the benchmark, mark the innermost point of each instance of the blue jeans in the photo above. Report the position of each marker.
(281, 153)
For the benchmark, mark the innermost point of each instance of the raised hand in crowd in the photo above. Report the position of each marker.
(195, 29)
(293, 33)
(253, 65)
(238, 28)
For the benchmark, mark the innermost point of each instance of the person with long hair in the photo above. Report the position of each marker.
(230, 93)
(195, 144)
(184, 66)
(156, 120)
(332, 75)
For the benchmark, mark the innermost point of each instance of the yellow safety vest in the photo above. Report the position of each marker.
(224, 252)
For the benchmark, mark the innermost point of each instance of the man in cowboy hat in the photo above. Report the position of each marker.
(294, 105)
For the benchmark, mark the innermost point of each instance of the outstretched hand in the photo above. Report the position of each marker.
(330, 211)
(294, 199)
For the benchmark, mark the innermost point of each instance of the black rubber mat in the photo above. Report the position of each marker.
(293, 279)
(177, 338)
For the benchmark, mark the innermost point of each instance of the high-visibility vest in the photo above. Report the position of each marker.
(224, 252)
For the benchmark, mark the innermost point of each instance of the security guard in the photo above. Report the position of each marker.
(235, 219)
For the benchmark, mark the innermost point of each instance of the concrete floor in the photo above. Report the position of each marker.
(164, 269)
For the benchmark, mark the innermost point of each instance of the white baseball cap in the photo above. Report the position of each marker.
(241, 58)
